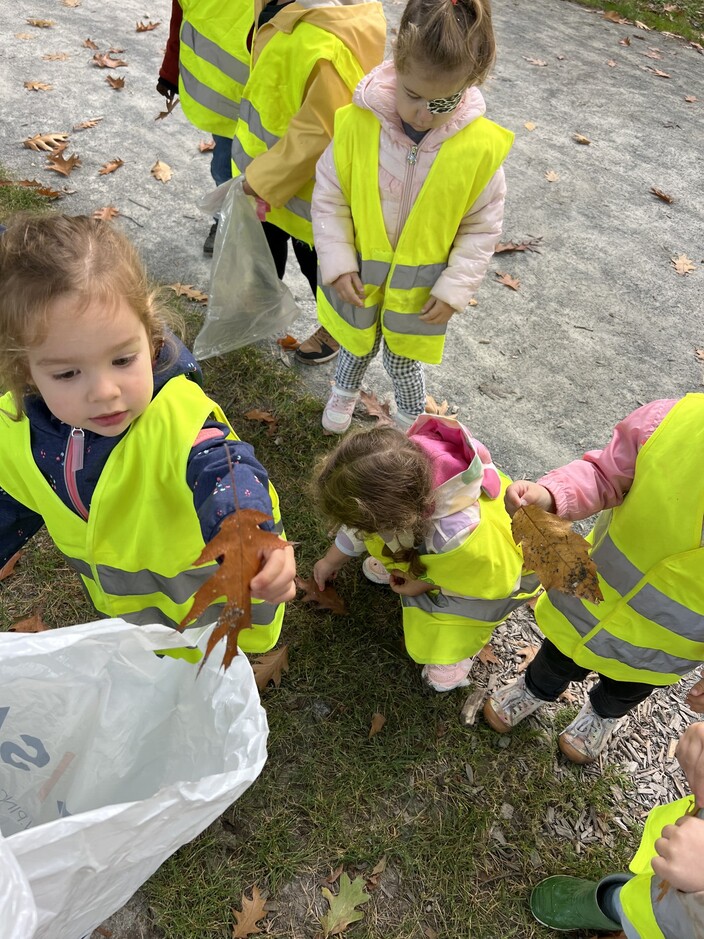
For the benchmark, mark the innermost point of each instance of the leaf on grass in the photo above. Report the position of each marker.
(107, 213)
(61, 164)
(147, 27)
(30, 624)
(161, 171)
(256, 414)
(540, 62)
(170, 105)
(9, 566)
(290, 343)
(89, 44)
(378, 721)
(104, 60)
(56, 56)
(507, 280)
(641, 25)
(188, 291)
(41, 24)
(557, 554)
(580, 138)
(533, 244)
(110, 166)
(661, 195)
(47, 142)
(374, 876)
(116, 82)
(38, 86)
(86, 125)
(38, 188)
(432, 406)
(342, 912)
(328, 599)
(376, 408)
(269, 667)
(552, 176)
(252, 911)
(237, 545)
(488, 656)
(206, 145)
(683, 265)
(527, 653)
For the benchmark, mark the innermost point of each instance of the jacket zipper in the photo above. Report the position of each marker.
(73, 462)
(405, 208)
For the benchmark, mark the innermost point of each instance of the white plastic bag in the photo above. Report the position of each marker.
(246, 300)
(111, 758)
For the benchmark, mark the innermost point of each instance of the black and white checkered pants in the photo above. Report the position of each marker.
(406, 376)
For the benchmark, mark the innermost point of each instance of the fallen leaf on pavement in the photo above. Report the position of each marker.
(111, 166)
(38, 86)
(116, 82)
(533, 244)
(661, 195)
(25, 36)
(683, 264)
(30, 624)
(41, 24)
(655, 71)
(61, 164)
(699, 354)
(376, 408)
(378, 721)
(328, 599)
(611, 63)
(161, 171)
(89, 44)
(269, 667)
(188, 291)
(557, 554)
(580, 138)
(107, 213)
(540, 62)
(690, 99)
(46, 142)
(342, 912)
(146, 27)
(626, 41)
(432, 406)
(86, 125)
(9, 565)
(507, 280)
(252, 911)
(104, 60)
(551, 176)
(529, 125)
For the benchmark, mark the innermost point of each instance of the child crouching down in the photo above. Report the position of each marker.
(427, 506)
(663, 897)
(648, 548)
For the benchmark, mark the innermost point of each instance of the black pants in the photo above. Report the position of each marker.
(305, 254)
(550, 672)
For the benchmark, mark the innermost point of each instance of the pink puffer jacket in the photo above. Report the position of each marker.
(333, 226)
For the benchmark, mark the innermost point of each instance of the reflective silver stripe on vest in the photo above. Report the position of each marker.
(278, 527)
(211, 52)
(355, 316)
(373, 272)
(251, 117)
(299, 207)
(608, 646)
(81, 567)
(574, 610)
(484, 611)
(207, 97)
(138, 583)
(239, 155)
(408, 276)
(410, 324)
(262, 615)
(614, 567)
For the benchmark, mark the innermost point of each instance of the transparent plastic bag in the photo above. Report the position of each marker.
(247, 301)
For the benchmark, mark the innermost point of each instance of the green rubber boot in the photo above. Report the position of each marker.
(565, 903)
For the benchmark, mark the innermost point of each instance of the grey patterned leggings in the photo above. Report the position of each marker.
(406, 376)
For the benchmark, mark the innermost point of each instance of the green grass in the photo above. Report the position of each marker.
(682, 17)
(329, 795)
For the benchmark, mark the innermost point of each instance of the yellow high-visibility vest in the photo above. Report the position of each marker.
(481, 583)
(274, 94)
(135, 552)
(398, 282)
(214, 62)
(650, 562)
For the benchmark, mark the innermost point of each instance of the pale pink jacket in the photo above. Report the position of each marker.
(399, 185)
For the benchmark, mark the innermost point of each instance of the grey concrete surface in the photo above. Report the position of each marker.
(601, 321)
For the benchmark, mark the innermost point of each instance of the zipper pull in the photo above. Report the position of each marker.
(411, 158)
(76, 442)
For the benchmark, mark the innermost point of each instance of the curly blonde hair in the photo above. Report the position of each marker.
(46, 257)
(377, 481)
(446, 35)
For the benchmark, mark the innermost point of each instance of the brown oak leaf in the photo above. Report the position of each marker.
(656, 71)
(527, 653)
(107, 213)
(699, 354)
(690, 99)
(56, 57)
(540, 62)
(116, 82)
(89, 44)
(377, 723)
(683, 265)
(269, 667)
(170, 105)
(615, 17)
(557, 554)
(488, 656)
(206, 145)
(580, 138)
(47, 142)
(86, 125)
(252, 911)
(552, 176)
(71, 3)
(188, 291)
(39, 188)
(626, 41)
(328, 599)
(9, 565)
(104, 60)
(41, 24)
(376, 408)
(161, 171)
(147, 27)
(30, 624)
(38, 86)
(507, 280)
(238, 545)
(110, 166)
(661, 195)
(61, 164)
(433, 407)
(532, 244)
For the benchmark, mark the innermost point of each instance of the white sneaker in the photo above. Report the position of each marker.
(510, 705)
(447, 677)
(375, 571)
(586, 737)
(337, 415)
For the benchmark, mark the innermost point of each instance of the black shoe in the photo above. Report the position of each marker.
(210, 240)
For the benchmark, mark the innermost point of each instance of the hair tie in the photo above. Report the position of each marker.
(454, 3)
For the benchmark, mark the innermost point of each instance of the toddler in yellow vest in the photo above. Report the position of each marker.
(106, 436)
(648, 547)
(408, 203)
(427, 507)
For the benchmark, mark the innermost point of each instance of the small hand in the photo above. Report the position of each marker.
(405, 585)
(436, 311)
(680, 849)
(524, 492)
(350, 288)
(166, 88)
(690, 755)
(275, 582)
(695, 697)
